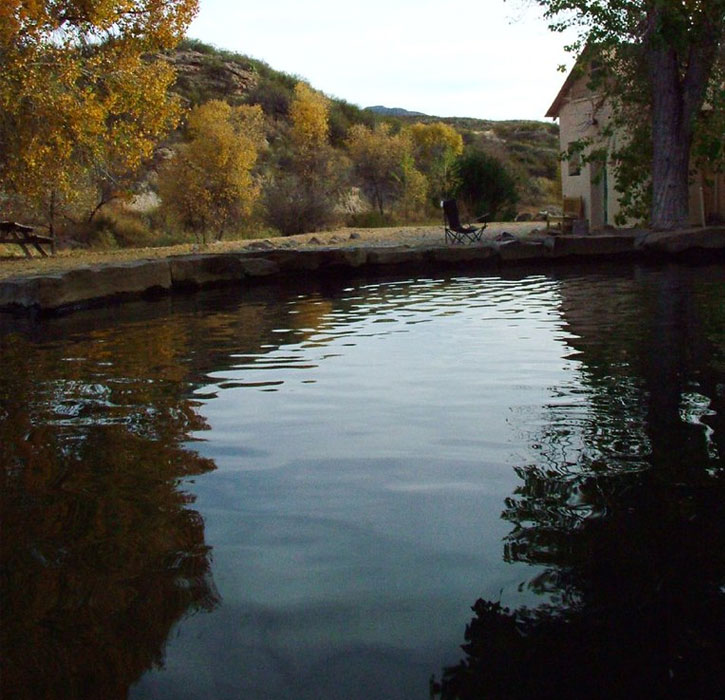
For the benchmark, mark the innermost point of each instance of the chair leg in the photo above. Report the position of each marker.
(464, 237)
(453, 236)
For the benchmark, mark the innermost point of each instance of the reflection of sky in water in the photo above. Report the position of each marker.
(362, 467)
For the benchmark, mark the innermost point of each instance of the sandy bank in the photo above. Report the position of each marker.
(398, 235)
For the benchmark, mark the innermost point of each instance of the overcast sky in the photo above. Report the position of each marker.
(469, 58)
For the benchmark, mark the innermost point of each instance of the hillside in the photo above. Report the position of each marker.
(207, 73)
(217, 176)
(530, 148)
(534, 144)
(170, 200)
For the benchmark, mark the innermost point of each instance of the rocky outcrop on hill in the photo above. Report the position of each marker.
(210, 75)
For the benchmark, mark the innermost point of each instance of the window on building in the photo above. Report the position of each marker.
(575, 160)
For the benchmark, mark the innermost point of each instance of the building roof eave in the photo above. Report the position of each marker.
(556, 105)
(578, 69)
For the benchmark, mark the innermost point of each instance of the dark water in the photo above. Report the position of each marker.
(301, 492)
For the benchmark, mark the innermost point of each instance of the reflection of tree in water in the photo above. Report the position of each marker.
(100, 553)
(623, 509)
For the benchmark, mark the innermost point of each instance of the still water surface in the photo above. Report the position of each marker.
(301, 492)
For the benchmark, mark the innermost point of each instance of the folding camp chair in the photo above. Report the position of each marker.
(455, 231)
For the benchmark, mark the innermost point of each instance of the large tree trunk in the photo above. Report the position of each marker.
(51, 222)
(679, 73)
(671, 143)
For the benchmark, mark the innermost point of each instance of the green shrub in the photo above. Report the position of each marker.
(342, 116)
(485, 186)
(274, 98)
(197, 45)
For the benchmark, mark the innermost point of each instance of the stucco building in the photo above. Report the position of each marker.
(583, 114)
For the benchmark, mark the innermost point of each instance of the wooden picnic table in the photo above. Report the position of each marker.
(24, 236)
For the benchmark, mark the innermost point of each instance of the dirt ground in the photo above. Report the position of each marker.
(15, 264)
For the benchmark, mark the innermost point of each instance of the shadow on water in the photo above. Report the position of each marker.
(626, 515)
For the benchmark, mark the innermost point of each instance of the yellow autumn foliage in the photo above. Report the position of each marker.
(309, 118)
(208, 185)
(78, 92)
(384, 167)
(435, 147)
(303, 189)
(431, 141)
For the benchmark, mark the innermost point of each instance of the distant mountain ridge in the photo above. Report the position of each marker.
(394, 111)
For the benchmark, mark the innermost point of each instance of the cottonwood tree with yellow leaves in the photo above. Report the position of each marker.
(79, 95)
(384, 166)
(310, 120)
(208, 185)
(435, 149)
(310, 174)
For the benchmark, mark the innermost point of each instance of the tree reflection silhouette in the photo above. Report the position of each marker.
(100, 553)
(631, 539)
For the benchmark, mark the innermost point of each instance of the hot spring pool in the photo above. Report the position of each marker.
(300, 492)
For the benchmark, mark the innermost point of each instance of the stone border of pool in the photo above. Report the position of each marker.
(109, 282)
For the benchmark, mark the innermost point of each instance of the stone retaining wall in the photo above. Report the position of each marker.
(97, 284)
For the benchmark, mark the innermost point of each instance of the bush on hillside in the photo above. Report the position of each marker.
(274, 99)
(371, 219)
(485, 186)
(116, 227)
(342, 116)
(295, 204)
